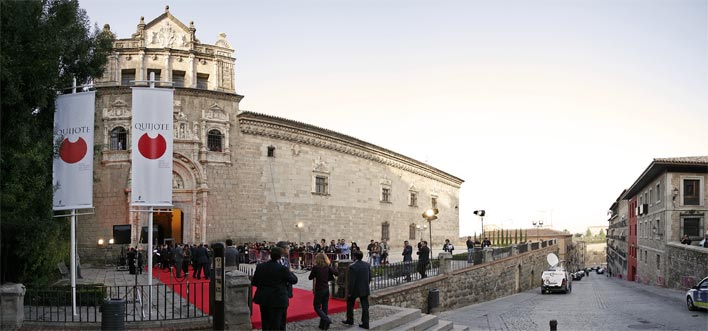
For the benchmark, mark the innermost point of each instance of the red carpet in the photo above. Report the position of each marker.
(197, 287)
(300, 307)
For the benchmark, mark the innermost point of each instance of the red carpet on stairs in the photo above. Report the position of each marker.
(300, 307)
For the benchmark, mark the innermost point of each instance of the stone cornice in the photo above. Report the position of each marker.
(301, 133)
(179, 91)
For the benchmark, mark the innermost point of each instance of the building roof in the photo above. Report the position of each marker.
(658, 166)
(290, 125)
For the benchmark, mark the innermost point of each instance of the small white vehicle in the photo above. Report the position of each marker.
(556, 278)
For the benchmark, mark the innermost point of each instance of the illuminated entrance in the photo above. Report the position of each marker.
(171, 224)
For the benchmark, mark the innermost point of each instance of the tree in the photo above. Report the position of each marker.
(602, 233)
(44, 45)
(588, 234)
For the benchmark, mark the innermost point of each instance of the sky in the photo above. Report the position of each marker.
(547, 109)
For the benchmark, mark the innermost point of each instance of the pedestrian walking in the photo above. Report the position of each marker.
(407, 259)
(470, 248)
(359, 277)
(423, 259)
(322, 273)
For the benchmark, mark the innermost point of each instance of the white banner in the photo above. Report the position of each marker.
(73, 163)
(152, 147)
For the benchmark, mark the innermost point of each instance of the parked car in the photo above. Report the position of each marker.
(578, 275)
(600, 271)
(697, 296)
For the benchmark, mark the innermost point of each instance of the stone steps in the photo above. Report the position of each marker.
(408, 319)
(421, 323)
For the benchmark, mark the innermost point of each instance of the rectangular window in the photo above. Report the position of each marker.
(658, 231)
(646, 257)
(385, 194)
(203, 81)
(658, 261)
(271, 151)
(434, 202)
(651, 196)
(691, 192)
(157, 75)
(321, 185)
(413, 199)
(691, 226)
(384, 231)
(178, 78)
(411, 232)
(127, 76)
(658, 192)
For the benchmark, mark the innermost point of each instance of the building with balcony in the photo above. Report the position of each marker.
(617, 233)
(668, 200)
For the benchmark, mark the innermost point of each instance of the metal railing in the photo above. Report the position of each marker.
(393, 274)
(156, 302)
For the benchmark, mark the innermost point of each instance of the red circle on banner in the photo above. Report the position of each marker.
(152, 148)
(72, 152)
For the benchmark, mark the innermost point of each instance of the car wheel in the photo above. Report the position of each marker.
(543, 291)
(689, 303)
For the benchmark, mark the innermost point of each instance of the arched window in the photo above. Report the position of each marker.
(215, 141)
(119, 139)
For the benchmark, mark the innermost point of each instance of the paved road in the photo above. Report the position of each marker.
(596, 303)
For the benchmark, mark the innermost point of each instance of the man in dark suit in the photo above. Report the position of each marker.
(423, 259)
(358, 280)
(230, 254)
(407, 259)
(285, 261)
(271, 279)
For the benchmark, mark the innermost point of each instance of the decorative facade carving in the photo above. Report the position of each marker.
(118, 114)
(320, 166)
(215, 118)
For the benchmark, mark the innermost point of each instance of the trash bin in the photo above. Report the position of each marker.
(433, 299)
(113, 314)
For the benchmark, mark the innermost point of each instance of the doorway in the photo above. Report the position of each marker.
(172, 224)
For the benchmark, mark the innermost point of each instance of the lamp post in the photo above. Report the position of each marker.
(481, 214)
(537, 225)
(299, 226)
(430, 215)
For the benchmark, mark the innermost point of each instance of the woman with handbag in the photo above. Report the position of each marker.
(322, 273)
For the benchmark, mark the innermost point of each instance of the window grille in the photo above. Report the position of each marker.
(119, 139)
(215, 141)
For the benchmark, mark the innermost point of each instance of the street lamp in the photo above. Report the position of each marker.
(481, 214)
(299, 226)
(537, 225)
(430, 215)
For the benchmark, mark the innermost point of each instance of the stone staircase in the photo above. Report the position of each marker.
(408, 319)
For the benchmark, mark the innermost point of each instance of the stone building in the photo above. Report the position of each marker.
(617, 248)
(670, 199)
(244, 175)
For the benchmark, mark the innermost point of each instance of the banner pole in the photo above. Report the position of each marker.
(149, 250)
(73, 261)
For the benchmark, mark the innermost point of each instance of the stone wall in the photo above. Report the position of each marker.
(686, 265)
(459, 288)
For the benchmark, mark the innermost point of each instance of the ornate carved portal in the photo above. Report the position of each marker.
(189, 195)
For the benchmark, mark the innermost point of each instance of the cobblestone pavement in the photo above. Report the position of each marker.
(596, 303)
